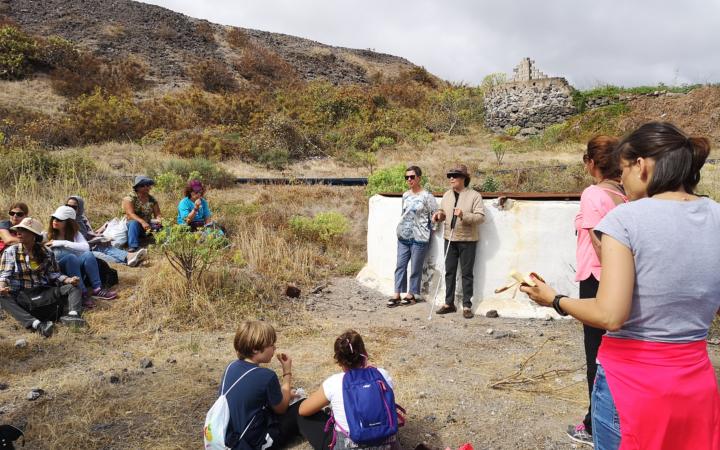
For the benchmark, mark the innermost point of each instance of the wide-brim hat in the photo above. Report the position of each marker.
(64, 213)
(30, 224)
(142, 180)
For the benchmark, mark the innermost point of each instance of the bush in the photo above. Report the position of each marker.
(324, 227)
(189, 254)
(206, 171)
(212, 143)
(264, 68)
(83, 73)
(18, 165)
(101, 117)
(391, 179)
(237, 38)
(169, 182)
(213, 75)
(17, 52)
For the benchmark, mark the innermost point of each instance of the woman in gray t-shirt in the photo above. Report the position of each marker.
(413, 233)
(658, 295)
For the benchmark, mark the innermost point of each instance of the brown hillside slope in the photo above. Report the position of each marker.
(170, 42)
(697, 113)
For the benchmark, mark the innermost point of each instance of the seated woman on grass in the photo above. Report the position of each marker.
(17, 212)
(74, 256)
(142, 212)
(100, 246)
(30, 281)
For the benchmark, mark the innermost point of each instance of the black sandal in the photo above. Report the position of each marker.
(408, 301)
(393, 302)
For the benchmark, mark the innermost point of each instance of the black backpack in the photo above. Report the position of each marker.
(108, 275)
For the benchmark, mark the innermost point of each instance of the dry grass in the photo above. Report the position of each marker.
(34, 95)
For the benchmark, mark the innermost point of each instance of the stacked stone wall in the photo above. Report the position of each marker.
(532, 105)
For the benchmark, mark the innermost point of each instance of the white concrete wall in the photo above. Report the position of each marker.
(529, 236)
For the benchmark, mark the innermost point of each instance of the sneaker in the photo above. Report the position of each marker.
(73, 321)
(132, 250)
(45, 329)
(104, 294)
(579, 434)
(133, 259)
(445, 309)
(467, 313)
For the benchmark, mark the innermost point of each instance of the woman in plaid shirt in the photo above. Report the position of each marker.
(30, 282)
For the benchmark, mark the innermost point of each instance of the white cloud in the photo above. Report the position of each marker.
(589, 42)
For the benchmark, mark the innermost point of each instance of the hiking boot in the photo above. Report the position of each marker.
(133, 259)
(467, 313)
(45, 329)
(579, 434)
(104, 294)
(73, 321)
(445, 309)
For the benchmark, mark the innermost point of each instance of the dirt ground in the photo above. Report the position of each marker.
(97, 396)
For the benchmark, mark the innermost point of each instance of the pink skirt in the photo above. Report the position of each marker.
(666, 395)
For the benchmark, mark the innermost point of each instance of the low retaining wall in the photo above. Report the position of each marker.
(527, 235)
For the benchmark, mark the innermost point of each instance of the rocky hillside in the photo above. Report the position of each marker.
(170, 43)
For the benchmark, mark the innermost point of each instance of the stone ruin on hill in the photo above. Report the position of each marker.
(531, 101)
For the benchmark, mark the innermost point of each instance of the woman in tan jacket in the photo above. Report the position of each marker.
(462, 210)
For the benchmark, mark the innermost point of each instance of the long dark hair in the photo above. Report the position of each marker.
(71, 229)
(678, 157)
(350, 350)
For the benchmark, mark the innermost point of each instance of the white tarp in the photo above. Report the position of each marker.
(526, 235)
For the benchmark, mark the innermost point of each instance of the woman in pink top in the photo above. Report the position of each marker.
(596, 201)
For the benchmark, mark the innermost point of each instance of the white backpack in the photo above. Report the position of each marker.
(218, 417)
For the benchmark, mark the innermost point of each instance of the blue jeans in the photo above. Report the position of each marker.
(84, 265)
(110, 254)
(413, 252)
(605, 420)
(135, 233)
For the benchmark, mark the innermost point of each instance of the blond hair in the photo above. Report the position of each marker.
(252, 336)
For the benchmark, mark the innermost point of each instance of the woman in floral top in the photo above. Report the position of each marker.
(142, 212)
(413, 232)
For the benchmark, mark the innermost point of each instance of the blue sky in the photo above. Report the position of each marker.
(626, 42)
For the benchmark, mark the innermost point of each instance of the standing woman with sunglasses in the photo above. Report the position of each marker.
(74, 256)
(413, 233)
(17, 211)
(461, 208)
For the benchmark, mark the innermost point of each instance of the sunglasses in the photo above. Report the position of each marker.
(58, 220)
(409, 177)
(72, 206)
(454, 175)
(16, 213)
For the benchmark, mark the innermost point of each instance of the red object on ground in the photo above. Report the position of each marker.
(466, 447)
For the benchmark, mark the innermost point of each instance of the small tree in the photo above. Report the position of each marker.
(190, 253)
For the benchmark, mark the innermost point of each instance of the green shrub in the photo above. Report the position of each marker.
(490, 184)
(206, 171)
(169, 182)
(324, 227)
(189, 254)
(499, 148)
(19, 164)
(17, 52)
(390, 179)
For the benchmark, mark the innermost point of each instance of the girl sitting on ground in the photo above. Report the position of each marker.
(74, 256)
(350, 354)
